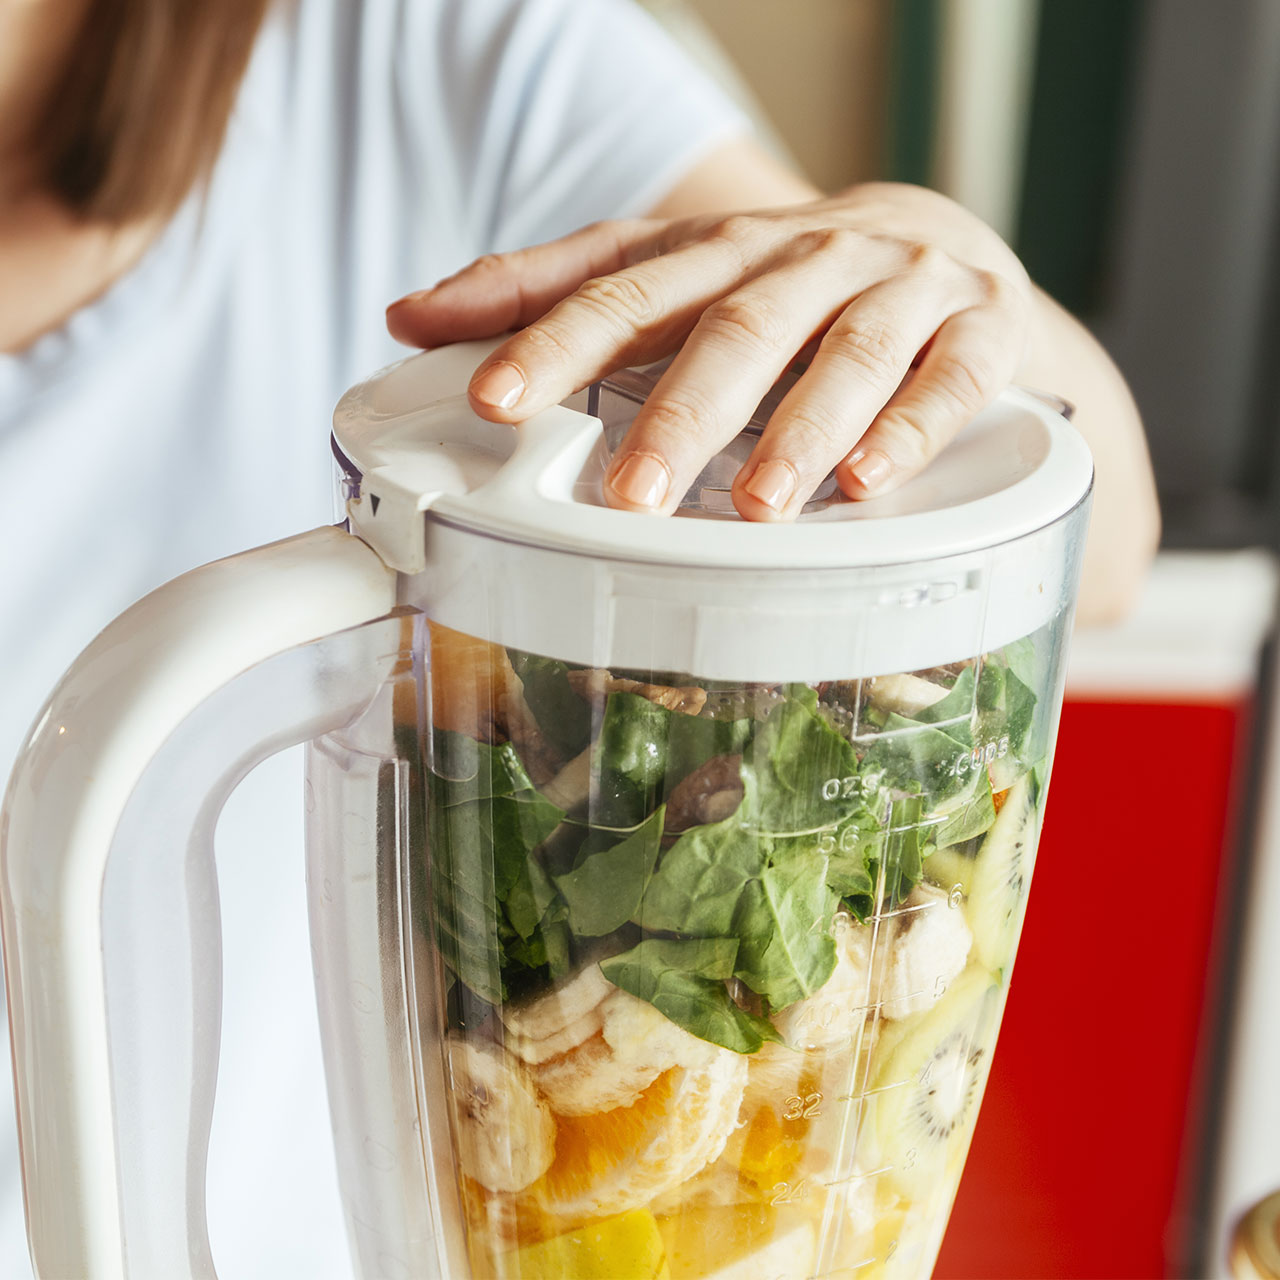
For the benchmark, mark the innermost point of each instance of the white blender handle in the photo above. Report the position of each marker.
(111, 713)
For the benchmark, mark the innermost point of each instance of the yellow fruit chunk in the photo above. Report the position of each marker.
(627, 1247)
(769, 1152)
(738, 1242)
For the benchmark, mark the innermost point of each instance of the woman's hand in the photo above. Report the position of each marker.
(872, 285)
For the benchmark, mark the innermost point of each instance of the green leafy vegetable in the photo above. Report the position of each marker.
(484, 819)
(1006, 709)
(630, 760)
(693, 740)
(563, 716)
(827, 820)
(531, 897)
(854, 849)
(800, 774)
(605, 890)
(685, 980)
(785, 948)
(971, 816)
(700, 878)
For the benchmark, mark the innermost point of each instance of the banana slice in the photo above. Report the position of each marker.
(505, 1133)
(634, 1046)
(571, 785)
(925, 946)
(833, 1016)
(536, 1051)
(905, 694)
(565, 1017)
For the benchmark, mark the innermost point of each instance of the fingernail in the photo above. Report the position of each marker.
(642, 479)
(500, 385)
(773, 482)
(408, 299)
(870, 468)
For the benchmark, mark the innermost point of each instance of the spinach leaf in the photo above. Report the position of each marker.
(700, 878)
(957, 705)
(855, 849)
(1006, 708)
(466, 907)
(785, 948)
(530, 898)
(971, 816)
(557, 941)
(685, 981)
(562, 715)
(1024, 660)
(693, 740)
(463, 769)
(485, 819)
(913, 757)
(630, 760)
(604, 891)
(644, 750)
(799, 774)
(920, 753)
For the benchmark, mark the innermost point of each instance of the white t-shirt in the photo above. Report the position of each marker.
(183, 416)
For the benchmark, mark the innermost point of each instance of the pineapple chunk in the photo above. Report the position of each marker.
(627, 1247)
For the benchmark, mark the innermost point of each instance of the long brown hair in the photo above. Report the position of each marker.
(138, 116)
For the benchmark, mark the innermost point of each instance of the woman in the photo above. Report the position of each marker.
(204, 209)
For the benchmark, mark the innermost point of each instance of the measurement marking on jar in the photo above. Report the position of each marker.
(845, 842)
(852, 787)
(884, 1088)
(845, 1270)
(984, 753)
(856, 1177)
(785, 1193)
(805, 1107)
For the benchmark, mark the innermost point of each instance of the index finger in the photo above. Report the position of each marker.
(503, 291)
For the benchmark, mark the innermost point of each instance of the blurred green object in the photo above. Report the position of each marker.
(913, 89)
(1085, 60)
(1084, 79)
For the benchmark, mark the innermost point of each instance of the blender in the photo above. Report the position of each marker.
(665, 876)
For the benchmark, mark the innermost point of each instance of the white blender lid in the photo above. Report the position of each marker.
(416, 444)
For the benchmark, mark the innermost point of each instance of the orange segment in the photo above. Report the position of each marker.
(590, 1149)
(619, 1160)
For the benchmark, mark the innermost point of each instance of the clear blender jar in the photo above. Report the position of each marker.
(666, 875)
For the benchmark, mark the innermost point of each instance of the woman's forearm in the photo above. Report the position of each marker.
(1065, 359)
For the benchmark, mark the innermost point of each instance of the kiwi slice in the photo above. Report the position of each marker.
(1001, 879)
(951, 867)
(927, 1082)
